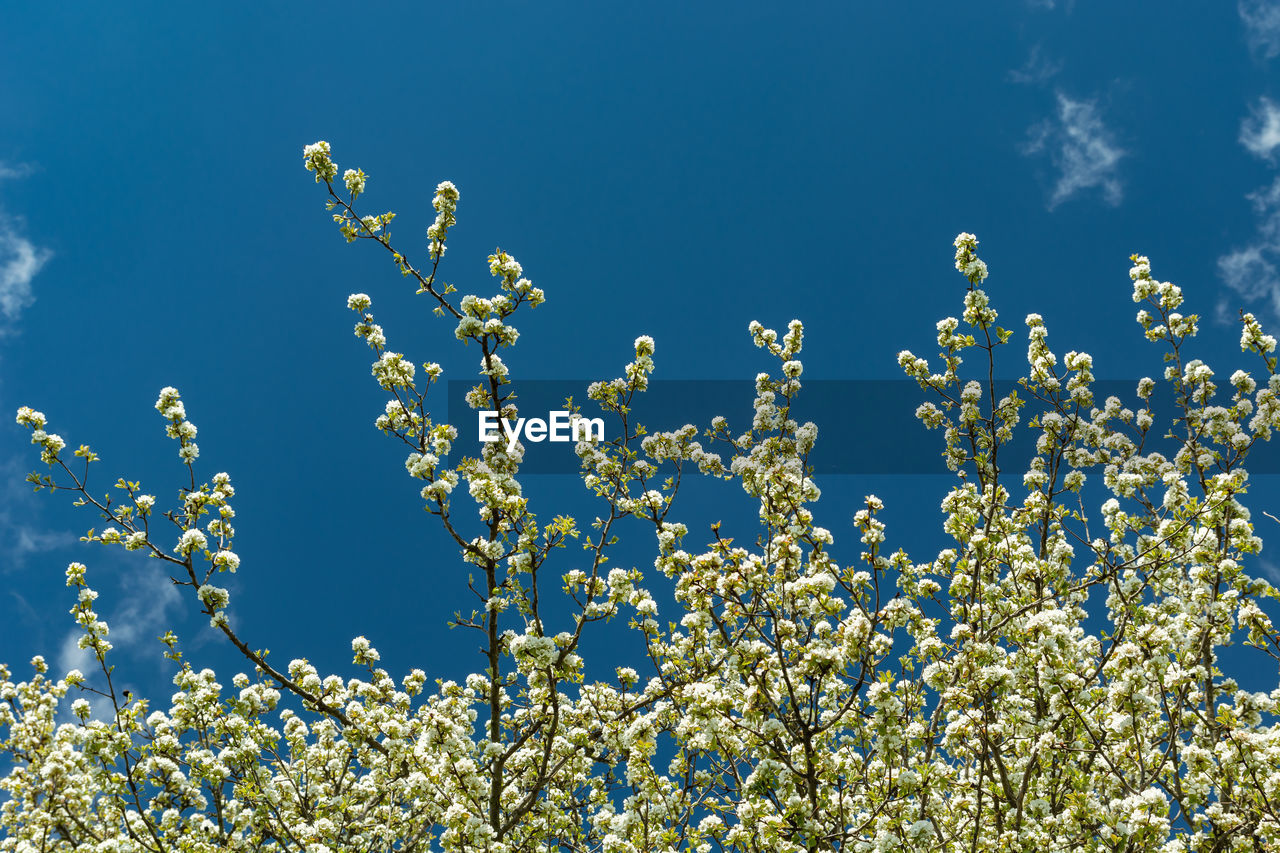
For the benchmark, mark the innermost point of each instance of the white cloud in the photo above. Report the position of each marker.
(1083, 150)
(1037, 69)
(1248, 272)
(138, 609)
(20, 259)
(20, 537)
(1262, 26)
(71, 656)
(30, 540)
(1260, 132)
(148, 596)
(1253, 271)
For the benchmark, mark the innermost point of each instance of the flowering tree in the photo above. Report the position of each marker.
(800, 701)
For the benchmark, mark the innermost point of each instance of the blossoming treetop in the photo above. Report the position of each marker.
(803, 697)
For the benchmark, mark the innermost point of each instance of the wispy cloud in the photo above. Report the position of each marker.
(20, 259)
(138, 602)
(1083, 150)
(1037, 69)
(1252, 270)
(20, 535)
(148, 595)
(1260, 131)
(1262, 26)
(71, 656)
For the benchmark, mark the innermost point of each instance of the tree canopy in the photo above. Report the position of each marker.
(1050, 681)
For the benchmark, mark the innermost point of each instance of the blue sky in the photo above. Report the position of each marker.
(658, 169)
